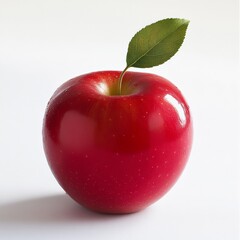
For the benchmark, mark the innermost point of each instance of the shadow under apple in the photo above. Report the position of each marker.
(49, 209)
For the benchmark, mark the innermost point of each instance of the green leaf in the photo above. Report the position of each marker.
(156, 43)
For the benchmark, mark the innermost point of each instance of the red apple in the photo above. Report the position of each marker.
(117, 153)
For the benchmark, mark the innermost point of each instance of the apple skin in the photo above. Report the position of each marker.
(117, 153)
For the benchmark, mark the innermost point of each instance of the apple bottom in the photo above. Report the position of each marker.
(117, 153)
(125, 188)
(120, 185)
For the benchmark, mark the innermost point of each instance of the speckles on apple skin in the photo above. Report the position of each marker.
(105, 166)
(139, 172)
(155, 167)
(89, 177)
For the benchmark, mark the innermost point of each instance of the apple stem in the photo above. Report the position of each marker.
(121, 79)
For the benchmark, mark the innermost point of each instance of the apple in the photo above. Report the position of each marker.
(117, 153)
(117, 141)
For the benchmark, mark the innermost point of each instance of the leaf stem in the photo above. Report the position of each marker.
(121, 79)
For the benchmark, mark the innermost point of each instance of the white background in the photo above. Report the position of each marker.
(44, 43)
